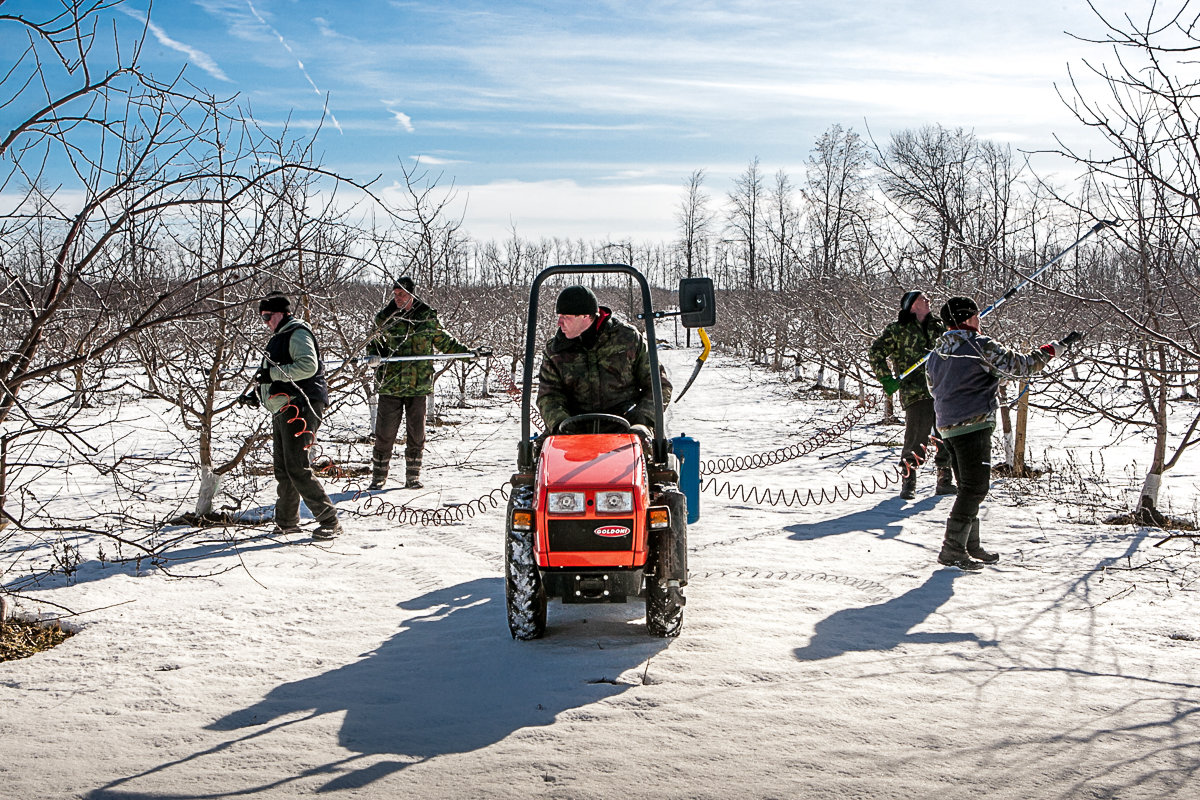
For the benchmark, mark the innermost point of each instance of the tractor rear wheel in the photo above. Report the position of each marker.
(525, 596)
(664, 602)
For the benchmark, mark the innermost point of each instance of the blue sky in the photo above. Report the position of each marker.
(584, 119)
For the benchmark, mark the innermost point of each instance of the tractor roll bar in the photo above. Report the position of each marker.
(525, 448)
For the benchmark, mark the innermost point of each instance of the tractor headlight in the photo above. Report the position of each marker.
(565, 503)
(614, 502)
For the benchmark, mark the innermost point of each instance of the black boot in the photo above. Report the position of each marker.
(954, 546)
(952, 556)
(908, 487)
(973, 548)
(945, 481)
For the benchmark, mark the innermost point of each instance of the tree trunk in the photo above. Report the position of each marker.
(210, 482)
(3, 480)
(368, 387)
(1018, 462)
(1148, 498)
(1006, 427)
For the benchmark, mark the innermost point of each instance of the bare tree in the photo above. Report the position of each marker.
(1150, 176)
(114, 168)
(745, 218)
(927, 173)
(434, 249)
(783, 231)
(836, 189)
(695, 223)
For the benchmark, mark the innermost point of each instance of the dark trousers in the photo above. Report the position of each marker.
(294, 477)
(918, 425)
(971, 455)
(387, 425)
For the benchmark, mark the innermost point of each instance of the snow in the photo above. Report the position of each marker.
(824, 653)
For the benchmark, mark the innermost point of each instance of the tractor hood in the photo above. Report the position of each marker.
(589, 460)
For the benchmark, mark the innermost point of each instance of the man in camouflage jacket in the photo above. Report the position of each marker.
(905, 342)
(964, 374)
(407, 326)
(595, 364)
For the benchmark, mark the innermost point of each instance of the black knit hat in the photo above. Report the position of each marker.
(958, 310)
(577, 300)
(275, 301)
(405, 283)
(909, 298)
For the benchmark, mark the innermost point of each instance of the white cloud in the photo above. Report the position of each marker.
(564, 208)
(404, 120)
(437, 161)
(195, 57)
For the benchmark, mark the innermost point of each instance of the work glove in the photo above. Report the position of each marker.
(1060, 347)
(249, 399)
(483, 352)
(1070, 339)
(890, 384)
(263, 375)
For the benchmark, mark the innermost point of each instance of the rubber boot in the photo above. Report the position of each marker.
(908, 487)
(379, 471)
(945, 481)
(954, 546)
(412, 475)
(973, 548)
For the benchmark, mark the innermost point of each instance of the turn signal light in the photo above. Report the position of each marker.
(522, 520)
(660, 517)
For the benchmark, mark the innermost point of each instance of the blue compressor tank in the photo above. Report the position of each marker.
(687, 450)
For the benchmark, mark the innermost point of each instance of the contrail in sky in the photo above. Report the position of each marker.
(299, 63)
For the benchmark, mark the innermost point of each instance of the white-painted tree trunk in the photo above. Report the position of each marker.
(1150, 487)
(210, 482)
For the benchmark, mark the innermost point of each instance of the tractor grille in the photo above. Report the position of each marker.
(580, 535)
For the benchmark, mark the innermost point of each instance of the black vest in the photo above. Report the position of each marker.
(278, 353)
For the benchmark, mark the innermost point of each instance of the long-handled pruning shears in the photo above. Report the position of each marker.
(700, 359)
(1099, 226)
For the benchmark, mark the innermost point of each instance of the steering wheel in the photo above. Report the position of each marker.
(600, 423)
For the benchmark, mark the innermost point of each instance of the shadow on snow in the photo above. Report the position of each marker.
(885, 519)
(887, 625)
(450, 681)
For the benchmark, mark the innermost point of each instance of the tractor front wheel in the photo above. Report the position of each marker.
(525, 596)
(664, 610)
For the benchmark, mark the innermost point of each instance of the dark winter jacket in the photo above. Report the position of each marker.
(297, 374)
(415, 332)
(905, 342)
(964, 373)
(604, 370)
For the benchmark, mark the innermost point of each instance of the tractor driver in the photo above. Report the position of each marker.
(597, 363)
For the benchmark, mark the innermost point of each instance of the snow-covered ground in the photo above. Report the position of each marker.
(824, 653)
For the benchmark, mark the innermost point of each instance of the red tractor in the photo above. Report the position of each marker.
(596, 514)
